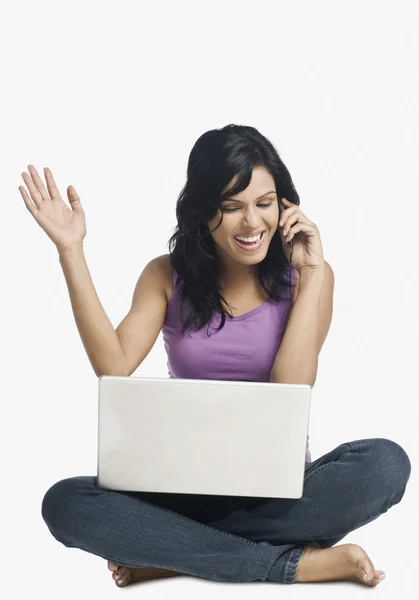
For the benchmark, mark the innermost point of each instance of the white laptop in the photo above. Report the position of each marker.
(197, 436)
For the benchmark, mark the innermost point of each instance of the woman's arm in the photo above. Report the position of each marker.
(308, 324)
(116, 351)
(99, 338)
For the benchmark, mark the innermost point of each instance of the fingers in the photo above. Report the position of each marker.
(72, 194)
(37, 190)
(29, 204)
(52, 188)
(33, 190)
(38, 182)
(289, 219)
(299, 226)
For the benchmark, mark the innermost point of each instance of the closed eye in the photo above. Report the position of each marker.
(233, 209)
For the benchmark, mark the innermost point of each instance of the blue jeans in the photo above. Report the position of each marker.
(231, 538)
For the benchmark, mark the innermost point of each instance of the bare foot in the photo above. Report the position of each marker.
(126, 575)
(347, 562)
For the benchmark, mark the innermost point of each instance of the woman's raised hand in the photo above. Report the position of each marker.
(65, 226)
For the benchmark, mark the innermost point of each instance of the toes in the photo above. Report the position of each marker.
(366, 568)
(122, 576)
(376, 578)
(367, 574)
(112, 566)
(120, 572)
(123, 580)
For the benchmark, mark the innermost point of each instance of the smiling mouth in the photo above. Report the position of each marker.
(250, 243)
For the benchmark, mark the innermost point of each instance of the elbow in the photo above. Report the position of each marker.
(297, 381)
(111, 372)
(297, 378)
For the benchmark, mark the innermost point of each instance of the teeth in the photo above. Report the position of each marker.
(256, 238)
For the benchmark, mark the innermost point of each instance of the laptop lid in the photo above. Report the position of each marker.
(196, 436)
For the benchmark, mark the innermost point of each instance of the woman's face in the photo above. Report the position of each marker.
(248, 215)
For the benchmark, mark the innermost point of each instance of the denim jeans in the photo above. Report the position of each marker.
(231, 538)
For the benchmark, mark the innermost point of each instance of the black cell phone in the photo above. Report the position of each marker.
(291, 242)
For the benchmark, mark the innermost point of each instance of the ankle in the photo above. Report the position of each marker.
(305, 565)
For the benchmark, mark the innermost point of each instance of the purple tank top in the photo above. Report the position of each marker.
(243, 350)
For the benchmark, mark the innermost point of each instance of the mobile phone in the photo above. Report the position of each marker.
(291, 242)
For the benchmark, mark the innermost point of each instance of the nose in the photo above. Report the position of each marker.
(251, 218)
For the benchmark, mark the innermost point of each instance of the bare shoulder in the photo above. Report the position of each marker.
(163, 267)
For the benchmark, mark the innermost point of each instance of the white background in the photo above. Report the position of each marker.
(111, 97)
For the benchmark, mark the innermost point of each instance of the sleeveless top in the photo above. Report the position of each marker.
(243, 350)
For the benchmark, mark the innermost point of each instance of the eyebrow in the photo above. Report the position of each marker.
(260, 197)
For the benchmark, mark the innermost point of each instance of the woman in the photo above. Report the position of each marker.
(222, 298)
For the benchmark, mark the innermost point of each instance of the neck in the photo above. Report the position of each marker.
(234, 275)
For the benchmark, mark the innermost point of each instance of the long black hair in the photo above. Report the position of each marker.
(217, 156)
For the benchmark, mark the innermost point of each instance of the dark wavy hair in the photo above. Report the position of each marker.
(217, 156)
